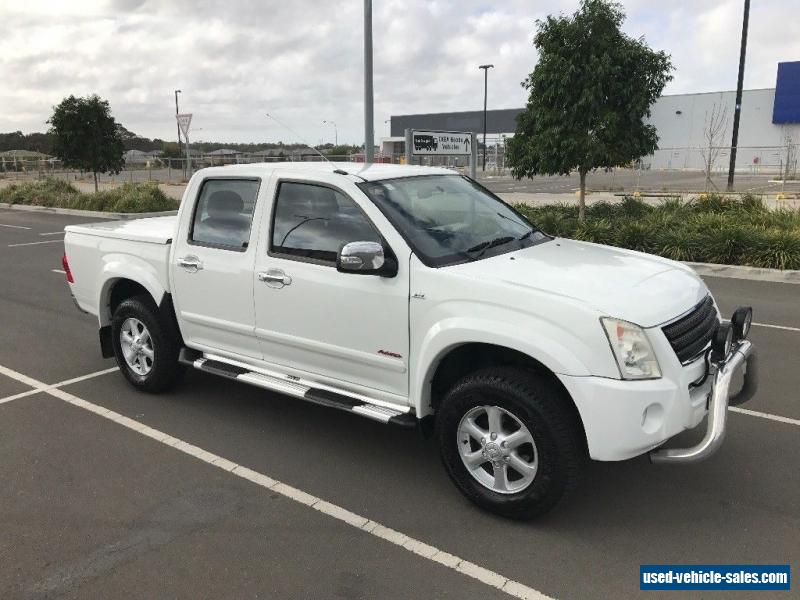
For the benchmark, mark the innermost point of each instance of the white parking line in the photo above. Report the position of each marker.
(54, 233)
(62, 271)
(34, 243)
(761, 415)
(784, 327)
(14, 226)
(37, 388)
(490, 578)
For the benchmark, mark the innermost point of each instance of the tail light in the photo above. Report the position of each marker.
(65, 265)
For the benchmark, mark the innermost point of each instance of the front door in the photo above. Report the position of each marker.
(343, 328)
(213, 268)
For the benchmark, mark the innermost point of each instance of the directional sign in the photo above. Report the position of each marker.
(441, 143)
(184, 121)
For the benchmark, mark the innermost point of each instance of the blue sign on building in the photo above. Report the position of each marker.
(787, 93)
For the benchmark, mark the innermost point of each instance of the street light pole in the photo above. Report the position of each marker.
(485, 89)
(369, 127)
(176, 122)
(335, 133)
(738, 108)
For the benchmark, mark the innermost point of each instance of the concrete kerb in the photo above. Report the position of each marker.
(86, 213)
(752, 273)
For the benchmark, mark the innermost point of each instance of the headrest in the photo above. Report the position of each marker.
(224, 203)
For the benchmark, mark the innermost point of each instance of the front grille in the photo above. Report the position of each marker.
(690, 334)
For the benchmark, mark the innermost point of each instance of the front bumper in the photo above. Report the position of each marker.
(624, 419)
(741, 356)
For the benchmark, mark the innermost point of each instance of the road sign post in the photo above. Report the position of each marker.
(442, 143)
(473, 157)
(184, 122)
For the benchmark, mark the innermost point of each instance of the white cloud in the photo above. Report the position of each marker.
(302, 60)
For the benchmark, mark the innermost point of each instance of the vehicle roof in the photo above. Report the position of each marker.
(370, 172)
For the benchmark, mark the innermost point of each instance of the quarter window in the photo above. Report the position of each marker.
(224, 213)
(314, 221)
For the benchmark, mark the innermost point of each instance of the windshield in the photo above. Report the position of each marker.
(448, 219)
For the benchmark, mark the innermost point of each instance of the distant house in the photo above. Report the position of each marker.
(223, 156)
(223, 152)
(16, 160)
(23, 155)
(135, 157)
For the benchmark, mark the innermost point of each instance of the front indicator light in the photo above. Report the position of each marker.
(632, 350)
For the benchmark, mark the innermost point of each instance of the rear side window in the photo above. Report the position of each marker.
(224, 213)
(315, 221)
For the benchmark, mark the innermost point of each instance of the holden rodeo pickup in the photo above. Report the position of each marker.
(415, 297)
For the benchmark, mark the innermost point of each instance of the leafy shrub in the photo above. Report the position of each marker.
(677, 243)
(599, 231)
(49, 192)
(711, 203)
(635, 235)
(601, 210)
(726, 245)
(671, 207)
(715, 229)
(634, 207)
(752, 203)
(55, 193)
(775, 249)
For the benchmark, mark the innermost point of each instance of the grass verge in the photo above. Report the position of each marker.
(712, 229)
(55, 193)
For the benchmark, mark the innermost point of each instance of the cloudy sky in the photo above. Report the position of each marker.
(301, 60)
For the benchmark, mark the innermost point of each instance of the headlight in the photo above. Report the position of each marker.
(632, 350)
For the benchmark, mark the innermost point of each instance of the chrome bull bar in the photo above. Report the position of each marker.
(742, 355)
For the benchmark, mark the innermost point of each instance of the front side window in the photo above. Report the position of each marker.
(448, 219)
(314, 222)
(224, 213)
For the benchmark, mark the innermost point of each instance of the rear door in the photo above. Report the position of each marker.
(212, 270)
(346, 329)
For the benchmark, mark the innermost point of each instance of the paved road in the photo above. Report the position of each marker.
(92, 509)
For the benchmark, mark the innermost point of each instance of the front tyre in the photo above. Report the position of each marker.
(145, 345)
(509, 441)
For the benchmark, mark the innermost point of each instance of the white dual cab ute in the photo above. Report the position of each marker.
(415, 297)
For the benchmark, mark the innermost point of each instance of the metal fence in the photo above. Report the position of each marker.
(709, 164)
(156, 169)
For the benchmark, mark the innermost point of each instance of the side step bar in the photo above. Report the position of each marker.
(314, 395)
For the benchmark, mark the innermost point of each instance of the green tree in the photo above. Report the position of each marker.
(171, 150)
(340, 150)
(85, 135)
(588, 96)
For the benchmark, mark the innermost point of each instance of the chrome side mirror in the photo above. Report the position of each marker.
(365, 258)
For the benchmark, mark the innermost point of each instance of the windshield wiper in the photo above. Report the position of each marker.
(524, 235)
(484, 246)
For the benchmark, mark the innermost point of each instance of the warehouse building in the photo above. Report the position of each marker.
(769, 132)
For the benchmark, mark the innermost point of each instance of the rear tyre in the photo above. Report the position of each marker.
(146, 345)
(510, 442)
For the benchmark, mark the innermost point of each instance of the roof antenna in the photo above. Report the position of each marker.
(343, 172)
(294, 133)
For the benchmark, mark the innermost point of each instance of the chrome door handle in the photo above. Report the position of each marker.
(274, 278)
(190, 263)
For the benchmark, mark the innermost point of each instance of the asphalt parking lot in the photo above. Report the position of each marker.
(176, 501)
